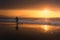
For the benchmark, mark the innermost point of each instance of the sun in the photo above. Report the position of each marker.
(46, 11)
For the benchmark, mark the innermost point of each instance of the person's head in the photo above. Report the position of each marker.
(16, 17)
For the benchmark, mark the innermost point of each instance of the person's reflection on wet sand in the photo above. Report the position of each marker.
(16, 23)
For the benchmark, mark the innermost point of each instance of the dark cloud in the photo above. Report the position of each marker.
(6, 4)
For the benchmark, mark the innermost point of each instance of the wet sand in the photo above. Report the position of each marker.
(8, 32)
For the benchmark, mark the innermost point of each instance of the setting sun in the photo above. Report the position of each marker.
(46, 11)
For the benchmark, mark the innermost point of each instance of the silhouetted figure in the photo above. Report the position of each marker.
(16, 23)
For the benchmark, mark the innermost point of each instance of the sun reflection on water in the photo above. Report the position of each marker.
(42, 28)
(45, 28)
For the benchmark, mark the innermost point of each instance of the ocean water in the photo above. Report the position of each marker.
(30, 29)
(29, 32)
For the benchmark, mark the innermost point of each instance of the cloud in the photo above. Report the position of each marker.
(22, 4)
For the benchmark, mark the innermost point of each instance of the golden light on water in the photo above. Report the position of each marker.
(49, 28)
(45, 28)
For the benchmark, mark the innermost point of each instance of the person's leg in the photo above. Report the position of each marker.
(16, 26)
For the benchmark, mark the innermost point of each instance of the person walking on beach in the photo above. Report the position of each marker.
(16, 23)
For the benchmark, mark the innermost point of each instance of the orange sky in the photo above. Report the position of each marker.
(31, 13)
